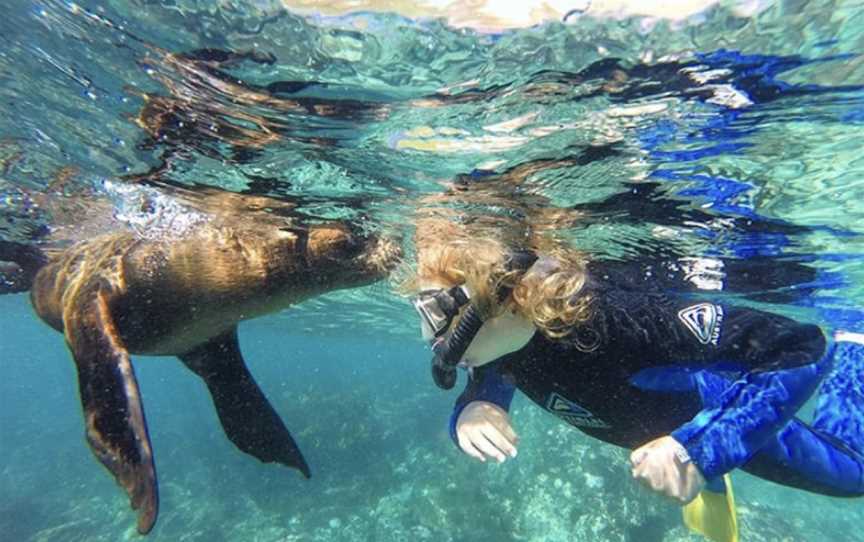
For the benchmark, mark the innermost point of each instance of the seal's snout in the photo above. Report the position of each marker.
(350, 251)
(382, 254)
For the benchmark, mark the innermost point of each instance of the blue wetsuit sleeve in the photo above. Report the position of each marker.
(485, 384)
(752, 409)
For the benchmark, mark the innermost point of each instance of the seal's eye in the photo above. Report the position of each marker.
(352, 244)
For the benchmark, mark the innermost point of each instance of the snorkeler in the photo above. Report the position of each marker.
(695, 386)
(647, 354)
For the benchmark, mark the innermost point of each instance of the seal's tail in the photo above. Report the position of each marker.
(19, 263)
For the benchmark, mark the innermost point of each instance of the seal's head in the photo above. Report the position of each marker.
(346, 257)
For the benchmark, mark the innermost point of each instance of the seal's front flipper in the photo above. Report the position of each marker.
(116, 428)
(249, 421)
(19, 264)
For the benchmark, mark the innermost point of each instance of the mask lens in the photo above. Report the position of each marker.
(438, 308)
(433, 321)
(426, 331)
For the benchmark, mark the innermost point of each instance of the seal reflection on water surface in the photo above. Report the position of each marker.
(121, 294)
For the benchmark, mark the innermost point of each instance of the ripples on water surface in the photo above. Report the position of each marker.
(736, 132)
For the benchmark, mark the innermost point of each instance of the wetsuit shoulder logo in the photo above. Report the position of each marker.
(703, 320)
(573, 413)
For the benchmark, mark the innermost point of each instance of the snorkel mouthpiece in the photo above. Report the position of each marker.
(450, 350)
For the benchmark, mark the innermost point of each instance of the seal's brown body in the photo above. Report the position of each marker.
(119, 294)
(170, 295)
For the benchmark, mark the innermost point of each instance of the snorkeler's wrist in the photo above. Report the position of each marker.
(693, 452)
(454, 420)
(681, 453)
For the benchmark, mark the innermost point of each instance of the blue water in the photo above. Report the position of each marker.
(725, 136)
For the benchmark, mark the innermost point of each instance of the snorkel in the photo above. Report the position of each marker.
(449, 351)
(450, 348)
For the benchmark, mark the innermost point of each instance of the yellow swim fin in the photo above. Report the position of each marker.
(712, 514)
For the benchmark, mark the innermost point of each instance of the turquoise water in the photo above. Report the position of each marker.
(723, 135)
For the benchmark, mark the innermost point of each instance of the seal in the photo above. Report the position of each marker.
(120, 294)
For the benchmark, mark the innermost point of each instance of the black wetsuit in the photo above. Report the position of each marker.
(725, 381)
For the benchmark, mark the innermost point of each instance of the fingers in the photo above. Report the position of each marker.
(488, 447)
(500, 432)
(485, 442)
(501, 442)
(659, 475)
(657, 466)
(483, 431)
(637, 456)
(650, 476)
(478, 447)
(674, 489)
(672, 483)
(469, 449)
(693, 484)
(507, 432)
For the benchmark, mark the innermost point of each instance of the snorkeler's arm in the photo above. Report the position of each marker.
(782, 364)
(484, 384)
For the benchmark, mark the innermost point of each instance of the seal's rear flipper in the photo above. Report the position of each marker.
(116, 428)
(249, 421)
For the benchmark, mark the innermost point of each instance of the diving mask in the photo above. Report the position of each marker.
(438, 308)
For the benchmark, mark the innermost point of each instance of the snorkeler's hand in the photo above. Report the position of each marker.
(664, 466)
(483, 430)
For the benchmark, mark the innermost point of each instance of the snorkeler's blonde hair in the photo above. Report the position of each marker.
(549, 297)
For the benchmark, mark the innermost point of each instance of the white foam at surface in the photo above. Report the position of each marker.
(150, 213)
